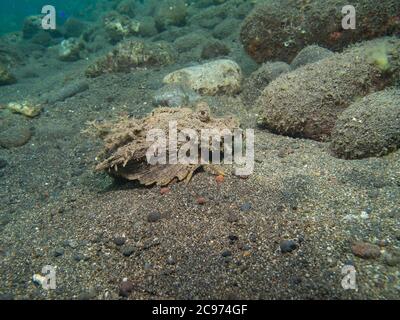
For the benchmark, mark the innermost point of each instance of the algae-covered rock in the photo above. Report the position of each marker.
(119, 26)
(14, 130)
(127, 7)
(73, 28)
(279, 29)
(259, 79)
(70, 49)
(126, 144)
(213, 49)
(369, 127)
(27, 108)
(170, 13)
(6, 77)
(307, 101)
(219, 76)
(32, 25)
(310, 54)
(131, 54)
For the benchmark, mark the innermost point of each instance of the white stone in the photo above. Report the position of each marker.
(219, 76)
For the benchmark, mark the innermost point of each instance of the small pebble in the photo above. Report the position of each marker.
(125, 288)
(288, 246)
(201, 200)
(226, 253)
(165, 190)
(58, 252)
(119, 241)
(171, 260)
(233, 218)
(154, 217)
(127, 251)
(245, 207)
(3, 163)
(233, 237)
(220, 179)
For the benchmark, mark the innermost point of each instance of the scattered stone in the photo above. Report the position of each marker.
(288, 246)
(245, 207)
(154, 216)
(233, 237)
(226, 253)
(310, 54)
(70, 49)
(3, 163)
(78, 257)
(232, 218)
(125, 288)
(32, 25)
(26, 108)
(58, 252)
(201, 201)
(392, 259)
(119, 26)
(165, 190)
(15, 136)
(365, 250)
(171, 260)
(119, 241)
(219, 76)
(174, 95)
(369, 127)
(219, 179)
(128, 250)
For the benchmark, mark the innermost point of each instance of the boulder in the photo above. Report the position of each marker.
(310, 54)
(369, 127)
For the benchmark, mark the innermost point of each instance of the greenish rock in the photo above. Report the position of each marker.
(369, 127)
(15, 136)
(131, 54)
(171, 13)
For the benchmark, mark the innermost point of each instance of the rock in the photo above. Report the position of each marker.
(190, 41)
(365, 250)
(70, 49)
(119, 26)
(15, 136)
(288, 246)
(131, 54)
(226, 253)
(220, 76)
(171, 260)
(6, 77)
(259, 79)
(369, 127)
(58, 252)
(125, 288)
(392, 259)
(201, 201)
(147, 27)
(310, 54)
(268, 34)
(214, 49)
(307, 101)
(27, 108)
(32, 25)
(154, 216)
(128, 250)
(174, 95)
(227, 28)
(73, 28)
(127, 7)
(232, 218)
(245, 207)
(3, 163)
(119, 241)
(68, 91)
(170, 13)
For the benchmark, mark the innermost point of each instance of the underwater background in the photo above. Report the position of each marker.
(320, 90)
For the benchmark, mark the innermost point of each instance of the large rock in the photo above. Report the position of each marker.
(279, 29)
(307, 102)
(310, 54)
(6, 77)
(131, 54)
(369, 127)
(219, 76)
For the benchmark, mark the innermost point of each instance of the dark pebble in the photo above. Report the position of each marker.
(233, 237)
(119, 241)
(78, 257)
(226, 253)
(288, 246)
(245, 207)
(58, 252)
(3, 163)
(127, 251)
(171, 260)
(125, 288)
(232, 218)
(154, 217)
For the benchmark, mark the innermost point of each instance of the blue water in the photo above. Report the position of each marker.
(13, 12)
